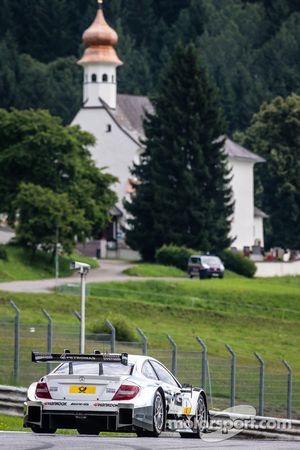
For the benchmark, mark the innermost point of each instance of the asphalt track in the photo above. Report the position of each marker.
(30, 441)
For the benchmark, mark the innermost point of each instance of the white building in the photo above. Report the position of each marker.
(117, 123)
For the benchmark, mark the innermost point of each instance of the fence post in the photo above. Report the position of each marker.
(204, 359)
(113, 335)
(233, 375)
(78, 316)
(261, 384)
(17, 342)
(290, 389)
(174, 355)
(145, 340)
(50, 335)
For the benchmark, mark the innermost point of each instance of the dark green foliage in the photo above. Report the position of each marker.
(172, 255)
(251, 48)
(183, 195)
(47, 170)
(275, 134)
(3, 252)
(238, 263)
(40, 212)
(124, 331)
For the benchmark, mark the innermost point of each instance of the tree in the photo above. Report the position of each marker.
(36, 149)
(274, 133)
(41, 212)
(182, 194)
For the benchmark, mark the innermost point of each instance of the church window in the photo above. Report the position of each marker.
(108, 128)
(94, 78)
(104, 78)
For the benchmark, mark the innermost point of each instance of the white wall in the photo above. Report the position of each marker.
(259, 230)
(243, 192)
(105, 90)
(277, 269)
(114, 150)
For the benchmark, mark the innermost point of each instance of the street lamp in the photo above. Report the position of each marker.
(83, 269)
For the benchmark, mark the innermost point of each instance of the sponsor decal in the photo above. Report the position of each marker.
(82, 389)
(55, 403)
(110, 390)
(53, 389)
(105, 405)
(79, 404)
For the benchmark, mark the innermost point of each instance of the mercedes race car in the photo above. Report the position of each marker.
(113, 392)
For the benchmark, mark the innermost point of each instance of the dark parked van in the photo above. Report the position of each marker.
(205, 266)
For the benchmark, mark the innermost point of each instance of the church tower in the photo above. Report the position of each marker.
(100, 62)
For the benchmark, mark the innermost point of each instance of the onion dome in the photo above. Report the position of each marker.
(99, 41)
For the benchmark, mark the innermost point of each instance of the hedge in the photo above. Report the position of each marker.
(238, 263)
(172, 255)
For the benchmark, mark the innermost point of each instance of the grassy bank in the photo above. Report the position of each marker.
(155, 270)
(20, 266)
(251, 315)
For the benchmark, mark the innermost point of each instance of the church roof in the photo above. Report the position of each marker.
(259, 213)
(236, 151)
(131, 111)
(130, 114)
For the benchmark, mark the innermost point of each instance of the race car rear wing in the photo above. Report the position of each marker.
(66, 356)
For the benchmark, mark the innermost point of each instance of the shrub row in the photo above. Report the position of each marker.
(172, 255)
(238, 263)
(123, 328)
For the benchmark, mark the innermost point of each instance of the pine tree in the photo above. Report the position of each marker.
(182, 194)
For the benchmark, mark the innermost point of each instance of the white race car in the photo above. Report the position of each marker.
(113, 392)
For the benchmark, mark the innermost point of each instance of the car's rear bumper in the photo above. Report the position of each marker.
(104, 416)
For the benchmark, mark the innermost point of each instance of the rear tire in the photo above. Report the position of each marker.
(159, 414)
(201, 419)
(41, 430)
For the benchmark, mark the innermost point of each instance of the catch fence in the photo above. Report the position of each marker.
(228, 380)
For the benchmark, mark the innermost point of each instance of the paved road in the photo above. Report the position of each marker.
(29, 441)
(109, 271)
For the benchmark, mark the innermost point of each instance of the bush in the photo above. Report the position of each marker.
(171, 255)
(124, 330)
(238, 263)
(3, 253)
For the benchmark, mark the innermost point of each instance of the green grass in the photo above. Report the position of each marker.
(161, 271)
(10, 423)
(20, 266)
(251, 315)
(155, 270)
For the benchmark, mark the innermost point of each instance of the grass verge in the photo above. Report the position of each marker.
(20, 266)
(155, 270)
(12, 423)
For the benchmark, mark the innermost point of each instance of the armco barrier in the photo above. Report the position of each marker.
(11, 400)
(257, 426)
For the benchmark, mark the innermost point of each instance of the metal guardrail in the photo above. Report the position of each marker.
(11, 400)
(257, 426)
